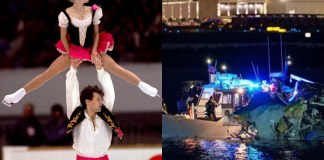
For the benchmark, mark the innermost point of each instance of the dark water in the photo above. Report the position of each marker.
(208, 149)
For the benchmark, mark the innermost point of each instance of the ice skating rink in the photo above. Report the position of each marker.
(131, 152)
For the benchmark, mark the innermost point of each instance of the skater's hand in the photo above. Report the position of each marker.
(94, 55)
(98, 63)
(75, 63)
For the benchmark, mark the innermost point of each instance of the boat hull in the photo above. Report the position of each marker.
(176, 126)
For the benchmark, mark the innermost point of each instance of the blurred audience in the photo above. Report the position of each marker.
(31, 30)
(55, 130)
(28, 130)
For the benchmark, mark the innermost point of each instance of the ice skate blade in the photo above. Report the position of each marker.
(6, 103)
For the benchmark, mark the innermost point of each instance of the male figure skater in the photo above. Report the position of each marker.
(92, 123)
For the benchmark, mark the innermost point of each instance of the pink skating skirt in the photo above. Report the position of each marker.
(106, 43)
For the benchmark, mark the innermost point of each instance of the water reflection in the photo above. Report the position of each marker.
(206, 149)
(241, 151)
(190, 144)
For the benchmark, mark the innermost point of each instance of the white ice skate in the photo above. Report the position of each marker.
(146, 88)
(10, 99)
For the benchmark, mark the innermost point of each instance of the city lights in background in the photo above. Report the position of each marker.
(276, 29)
(308, 35)
(289, 61)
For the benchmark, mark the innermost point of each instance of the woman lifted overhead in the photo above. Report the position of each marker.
(80, 39)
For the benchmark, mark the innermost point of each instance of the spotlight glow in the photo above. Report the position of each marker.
(208, 61)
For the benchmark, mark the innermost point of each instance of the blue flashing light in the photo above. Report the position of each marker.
(259, 30)
(178, 31)
(255, 85)
(317, 30)
(165, 29)
(220, 29)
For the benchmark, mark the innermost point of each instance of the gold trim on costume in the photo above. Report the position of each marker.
(112, 124)
(70, 127)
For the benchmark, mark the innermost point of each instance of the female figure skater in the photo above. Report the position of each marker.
(80, 39)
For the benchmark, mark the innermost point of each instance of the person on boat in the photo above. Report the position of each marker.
(192, 100)
(210, 108)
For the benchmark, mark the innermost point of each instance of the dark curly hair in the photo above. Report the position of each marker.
(87, 93)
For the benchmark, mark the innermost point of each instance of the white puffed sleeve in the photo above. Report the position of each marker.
(97, 16)
(63, 20)
(72, 91)
(108, 88)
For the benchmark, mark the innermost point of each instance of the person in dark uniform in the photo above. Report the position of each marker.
(210, 108)
(192, 100)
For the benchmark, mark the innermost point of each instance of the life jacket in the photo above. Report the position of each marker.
(78, 116)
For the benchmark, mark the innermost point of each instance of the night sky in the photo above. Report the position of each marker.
(185, 54)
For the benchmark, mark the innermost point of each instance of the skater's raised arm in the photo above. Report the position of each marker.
(106, 84)
(72, 88)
